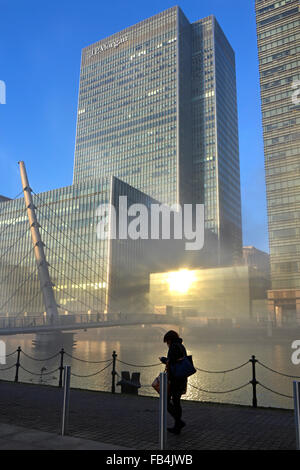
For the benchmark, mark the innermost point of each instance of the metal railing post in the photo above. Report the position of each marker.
(66, 400)
(296, 387)
(163, 381)
(61, 367)
(254, 382)
(113, 372)
(18, 364)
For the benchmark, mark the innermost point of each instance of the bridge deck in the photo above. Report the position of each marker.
(30, 325)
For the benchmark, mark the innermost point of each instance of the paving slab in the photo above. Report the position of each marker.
(132, 421)
(20, 438)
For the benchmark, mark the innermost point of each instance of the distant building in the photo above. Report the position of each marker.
(3, 199)
(256, 259)
(278, 37)
(228, 292)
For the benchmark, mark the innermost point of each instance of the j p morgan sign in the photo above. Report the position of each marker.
(109, 45)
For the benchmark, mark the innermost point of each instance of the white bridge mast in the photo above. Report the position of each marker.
(44, 277)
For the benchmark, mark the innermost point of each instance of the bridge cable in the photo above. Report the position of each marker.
(19, 287)
(7, 206)
(29, 301)
(62, 290)
(11, 246)
(15, 218)
(72, 240)
(74, 256)
(79, 236)
(81, 261)
(70, 295)
(75, 269)
(71, 228)
(17, 265)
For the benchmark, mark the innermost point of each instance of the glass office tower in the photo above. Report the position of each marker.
(127, 109)
(216, 169)
(278, 34)
(157, 108)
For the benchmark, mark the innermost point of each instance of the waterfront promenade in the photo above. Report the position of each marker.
(127, 421)
(20, 438)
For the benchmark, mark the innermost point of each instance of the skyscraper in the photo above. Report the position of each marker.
(278, 34)
(157, 108)
(157, 120)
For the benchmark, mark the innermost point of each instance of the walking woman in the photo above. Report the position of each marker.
(177, 387)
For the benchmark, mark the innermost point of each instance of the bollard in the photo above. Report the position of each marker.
(18, 364)
(129, 384)
(66, 400)
(163, 382)
(296, 387)
(113, 373)
(254, 382)
(61, 367)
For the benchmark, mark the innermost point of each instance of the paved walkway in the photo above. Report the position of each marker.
(20, 438)
(132, 422)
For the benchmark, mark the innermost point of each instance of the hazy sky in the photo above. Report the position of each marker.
(40, 50)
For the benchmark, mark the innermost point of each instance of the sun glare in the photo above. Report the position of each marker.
(180, 281)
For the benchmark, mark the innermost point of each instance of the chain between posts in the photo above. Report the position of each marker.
(112, 362)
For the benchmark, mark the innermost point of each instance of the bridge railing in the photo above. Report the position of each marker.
(114, 362)
(35, 321)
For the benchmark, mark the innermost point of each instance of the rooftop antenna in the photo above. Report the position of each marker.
(38, 245)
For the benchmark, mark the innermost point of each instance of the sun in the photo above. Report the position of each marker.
(180, 281)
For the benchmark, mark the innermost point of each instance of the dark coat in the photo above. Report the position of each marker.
(176, 351)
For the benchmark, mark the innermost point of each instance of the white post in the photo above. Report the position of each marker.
(163, 409)
(66, 400)
(297, 411)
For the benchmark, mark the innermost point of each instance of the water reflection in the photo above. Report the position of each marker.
(133, 346)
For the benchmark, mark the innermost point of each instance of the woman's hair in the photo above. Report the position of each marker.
(171, 336)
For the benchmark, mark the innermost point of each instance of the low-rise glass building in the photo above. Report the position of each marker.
(81, 265)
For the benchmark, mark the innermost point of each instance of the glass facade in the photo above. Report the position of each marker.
(224, 292)
(81, 266)
(157, 108)
(216, 170)
(278, 34)
(157, 116)
(127, 108)
(78, 261)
